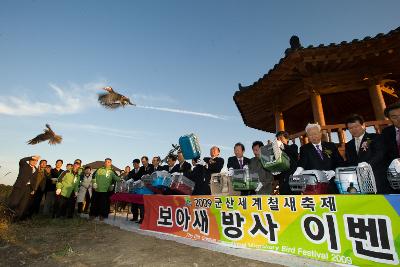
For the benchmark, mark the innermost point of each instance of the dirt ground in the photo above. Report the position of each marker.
(78, 242)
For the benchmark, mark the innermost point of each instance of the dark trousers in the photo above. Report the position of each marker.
(99, 205)
(71, 205)
(37, 200)
(64, 206)
(21, 201)
(60, 208)
(136, 209)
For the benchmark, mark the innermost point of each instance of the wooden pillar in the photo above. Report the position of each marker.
(377, 100)
(342, 136)
(279, 122)
(318, 111)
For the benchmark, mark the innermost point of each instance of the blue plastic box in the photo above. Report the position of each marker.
(190, 146)
(143, 191)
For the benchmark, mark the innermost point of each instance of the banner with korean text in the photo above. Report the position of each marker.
(361, 230)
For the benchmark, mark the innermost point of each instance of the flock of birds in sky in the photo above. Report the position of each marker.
(110, 100)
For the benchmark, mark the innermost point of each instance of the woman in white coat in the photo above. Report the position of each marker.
(85, 190)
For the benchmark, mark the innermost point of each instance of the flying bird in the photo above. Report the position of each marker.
(47, 135)
(113, 100)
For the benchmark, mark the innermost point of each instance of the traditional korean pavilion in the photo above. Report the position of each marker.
(325, 84)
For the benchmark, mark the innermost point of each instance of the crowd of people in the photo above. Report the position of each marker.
(61, 191)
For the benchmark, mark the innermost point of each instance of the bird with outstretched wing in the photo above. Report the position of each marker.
(47, 135)
(113, 100)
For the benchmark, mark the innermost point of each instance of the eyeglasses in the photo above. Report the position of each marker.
(77, 163)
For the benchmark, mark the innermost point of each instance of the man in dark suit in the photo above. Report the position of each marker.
(214, 164)
(135, 174)
(364, 147)
(199, 176)
(293, 154)
(389, 146)
(319, 155)
(184, 166)
(238, 162)
(21, 197)
(171, 166)
(146, 167)
(156, 161)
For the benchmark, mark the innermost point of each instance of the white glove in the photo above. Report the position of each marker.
(95, 185)
(396, 165)
(280, 144)
(363, 164)
(275, 173)
(201, 162)
(330, 174)
(245, 167)
(298, 171)
(58, 191)
(230, 172)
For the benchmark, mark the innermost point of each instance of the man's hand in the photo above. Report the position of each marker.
(33, 192)
(58, 191)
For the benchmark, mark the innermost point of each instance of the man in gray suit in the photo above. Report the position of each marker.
(255, 166)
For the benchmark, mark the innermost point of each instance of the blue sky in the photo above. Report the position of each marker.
(180, 61)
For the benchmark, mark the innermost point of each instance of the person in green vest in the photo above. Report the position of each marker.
(101, 181)
(67, 187)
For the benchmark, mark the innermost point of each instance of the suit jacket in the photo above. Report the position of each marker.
(310, 159)
(386, 151)
(26, 174)
(174, 169)
(134, 175)
(216, 166)
(159, 168)
(20, 199)
(364, 155)
(148, 170)
(389, 145)
(265, 176)
(198, 175)
(185, 168)
(233, 162)
(283, 177)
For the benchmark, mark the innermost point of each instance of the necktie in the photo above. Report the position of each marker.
(357, 144)
(241, 163)
(319, 152)
(398, 140)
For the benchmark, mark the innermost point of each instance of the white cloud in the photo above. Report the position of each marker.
(70, 99)
(187, 112)
(74, 98)
(105, 130)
